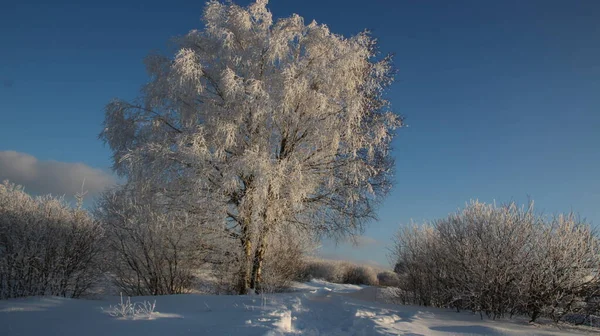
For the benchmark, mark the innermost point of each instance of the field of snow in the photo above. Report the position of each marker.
(314, 308)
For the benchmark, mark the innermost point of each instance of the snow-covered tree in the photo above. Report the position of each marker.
(264, 123)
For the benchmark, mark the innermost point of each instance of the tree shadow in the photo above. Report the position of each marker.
(469, 329)
(30, 304)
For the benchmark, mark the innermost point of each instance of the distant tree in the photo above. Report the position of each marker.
(264, 123)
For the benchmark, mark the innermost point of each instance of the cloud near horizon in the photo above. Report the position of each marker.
(364, 241)
(52, 177)
(339, 256)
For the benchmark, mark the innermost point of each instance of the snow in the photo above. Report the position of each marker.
(314, 308)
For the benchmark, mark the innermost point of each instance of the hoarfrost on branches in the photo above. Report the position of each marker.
(265, 122)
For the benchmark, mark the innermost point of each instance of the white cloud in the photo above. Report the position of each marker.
(52, 177)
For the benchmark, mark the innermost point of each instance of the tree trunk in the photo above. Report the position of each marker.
(244, 273)
(259, 256)
(534, 315)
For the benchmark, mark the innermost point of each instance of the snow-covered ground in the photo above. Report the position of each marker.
(314, 308)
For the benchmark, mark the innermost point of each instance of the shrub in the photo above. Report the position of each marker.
(284, 260)
(46, 247)
(388, 279)
(499, 261)
(328, 270)
(339, 272)
(151, 251)
(361, 275)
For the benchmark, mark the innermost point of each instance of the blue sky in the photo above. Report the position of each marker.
(502, 98)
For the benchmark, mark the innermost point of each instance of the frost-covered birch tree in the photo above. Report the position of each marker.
(265, 123)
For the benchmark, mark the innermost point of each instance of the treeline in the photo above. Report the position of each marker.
(501, 261)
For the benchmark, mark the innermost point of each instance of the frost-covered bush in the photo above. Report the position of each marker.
(339, 272)
(151, 251)
(284, 260)
(388, 279)
(361, 275)
(501, 261)
(563, 269)
(328, 270)
(46, 247)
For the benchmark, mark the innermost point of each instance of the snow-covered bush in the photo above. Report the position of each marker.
(500, 261)
(338, 271)
(361, 275)
(328, 270)
(284, 260)
(151, 251)
(388, 279)
(563, 273)
(46, 247)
